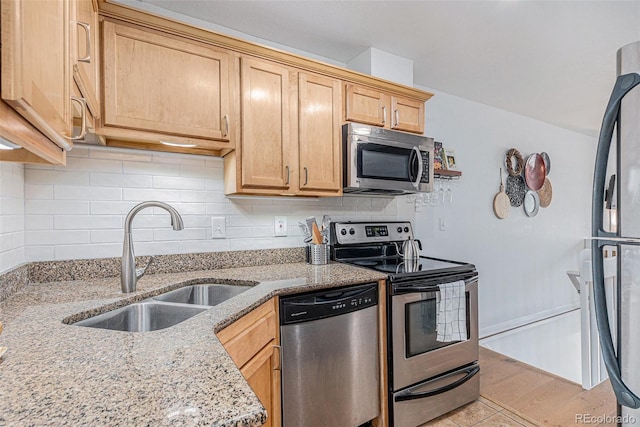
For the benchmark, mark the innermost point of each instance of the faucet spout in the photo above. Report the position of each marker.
(129, 275)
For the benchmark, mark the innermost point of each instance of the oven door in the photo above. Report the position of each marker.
(417, 355)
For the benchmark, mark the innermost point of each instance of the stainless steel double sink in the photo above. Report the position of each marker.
(165, 310)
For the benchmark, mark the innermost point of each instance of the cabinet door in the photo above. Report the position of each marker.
(407, 115)
(263, 376)
(35, 64)
(159, 83)
(367, 106)
(319, 136)
(266, 140)
(84, 51)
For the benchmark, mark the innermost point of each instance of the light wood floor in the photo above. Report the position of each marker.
(516, 394)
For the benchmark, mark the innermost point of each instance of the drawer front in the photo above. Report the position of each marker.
(247, 336)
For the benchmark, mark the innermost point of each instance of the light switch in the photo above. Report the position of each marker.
(218, 227)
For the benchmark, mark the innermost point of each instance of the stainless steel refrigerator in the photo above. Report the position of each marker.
(620, 341)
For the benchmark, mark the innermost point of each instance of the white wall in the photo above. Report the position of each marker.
(12, 252)
(522, 261)
(78, 211)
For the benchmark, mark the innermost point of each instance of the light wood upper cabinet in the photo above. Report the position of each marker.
(35, 64)
(370, 106)
(319, 133)
(266, 154)
(85, 52)
(160, 87)
(407, 114)
(290, 141)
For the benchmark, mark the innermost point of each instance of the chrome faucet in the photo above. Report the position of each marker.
(129, 274)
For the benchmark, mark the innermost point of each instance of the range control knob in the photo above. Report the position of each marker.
(343, 231)
(399, 229)
(406, 229)
(352, 231)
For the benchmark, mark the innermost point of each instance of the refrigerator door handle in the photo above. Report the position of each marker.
(624, 84)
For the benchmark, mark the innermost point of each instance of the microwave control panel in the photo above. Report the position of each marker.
(425, 166)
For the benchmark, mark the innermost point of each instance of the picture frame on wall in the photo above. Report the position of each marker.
(439, 159)
(450, 159)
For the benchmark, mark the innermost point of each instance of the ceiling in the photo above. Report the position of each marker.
(554, 61)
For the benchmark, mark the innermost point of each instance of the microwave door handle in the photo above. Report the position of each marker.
(415, 153)
(410, 395)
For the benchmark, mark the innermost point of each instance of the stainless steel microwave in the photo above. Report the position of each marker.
(385, 162)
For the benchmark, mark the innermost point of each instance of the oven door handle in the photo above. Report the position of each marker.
(409, 395)
(427, 288)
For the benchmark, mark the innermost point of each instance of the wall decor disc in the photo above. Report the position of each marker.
(545, 193)
(531, 203)
(515, 190)
(547, 162)
(534, 171)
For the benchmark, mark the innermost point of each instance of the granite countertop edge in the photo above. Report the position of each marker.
(177, 376)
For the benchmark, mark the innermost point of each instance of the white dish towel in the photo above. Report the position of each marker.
(451, 312)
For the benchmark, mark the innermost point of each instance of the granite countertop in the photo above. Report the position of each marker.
(55, 373)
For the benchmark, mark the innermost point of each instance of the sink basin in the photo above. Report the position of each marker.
(144, 316)
(207, 294)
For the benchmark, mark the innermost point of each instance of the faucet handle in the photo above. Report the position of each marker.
(140, 271)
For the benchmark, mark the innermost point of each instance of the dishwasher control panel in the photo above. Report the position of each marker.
(327, 303)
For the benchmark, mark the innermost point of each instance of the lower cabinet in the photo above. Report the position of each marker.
(253, 344)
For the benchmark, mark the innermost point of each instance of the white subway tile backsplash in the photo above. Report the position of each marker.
(40, 253)
(56, 237)
(178, 182)
(117, 236)
(186, 234)
(88, 222)
(100, 179)
(11, 223)
(106, 250)
(145, 168)
(72, 192)
(60, 177)
(92, 165)
(217, 209)
(55, 207)
(114, 208)
(38, 222)
(206, 172)
(78, 211)
(202, 196)
(141, 195)
(38, 191)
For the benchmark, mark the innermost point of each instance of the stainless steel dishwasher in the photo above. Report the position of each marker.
(330, 362)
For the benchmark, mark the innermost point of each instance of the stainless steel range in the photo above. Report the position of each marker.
(431, 370)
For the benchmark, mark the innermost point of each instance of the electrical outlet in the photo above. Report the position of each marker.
(218, 227)
(443, 224)
(280, 226)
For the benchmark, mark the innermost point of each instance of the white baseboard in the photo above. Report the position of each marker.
(488, 331)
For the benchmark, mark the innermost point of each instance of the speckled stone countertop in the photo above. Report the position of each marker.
(59, 374)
